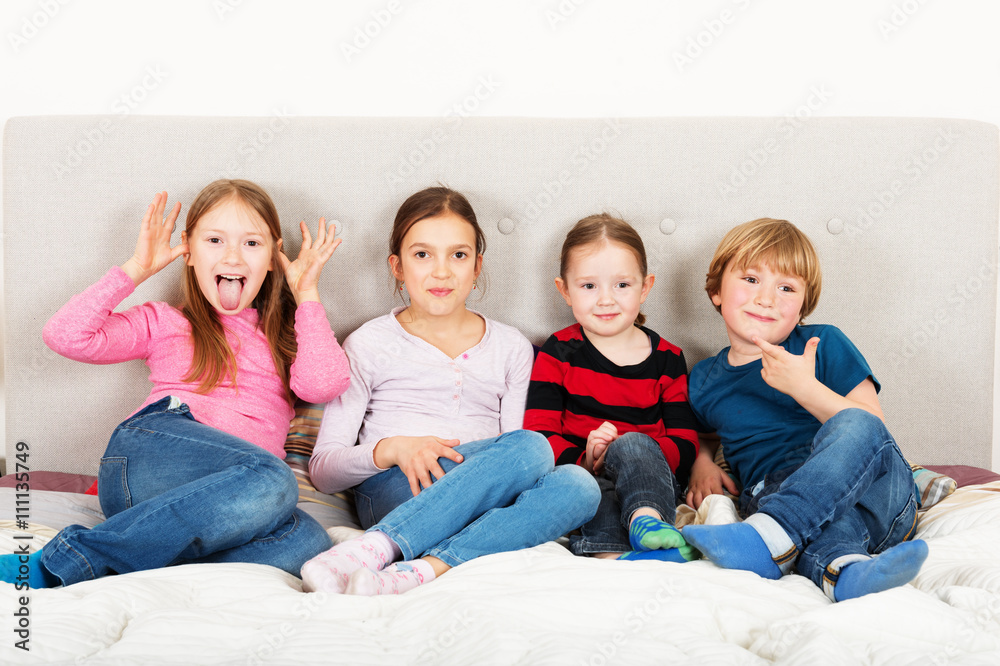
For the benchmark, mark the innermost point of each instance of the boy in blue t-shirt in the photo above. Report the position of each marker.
(825, 488)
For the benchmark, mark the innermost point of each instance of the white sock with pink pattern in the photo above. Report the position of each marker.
(330, 570)
(394, 579)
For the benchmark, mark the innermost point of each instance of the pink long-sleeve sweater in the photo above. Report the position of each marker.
(86, 329)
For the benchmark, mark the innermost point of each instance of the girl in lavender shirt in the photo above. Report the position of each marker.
(418, 433)
(195, 474)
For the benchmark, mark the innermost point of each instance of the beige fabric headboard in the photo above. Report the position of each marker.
(903, 212)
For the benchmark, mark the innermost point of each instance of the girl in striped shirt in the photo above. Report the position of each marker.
(611, 396)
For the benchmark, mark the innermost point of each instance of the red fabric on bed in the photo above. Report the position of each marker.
(59, 481)
(965, 475)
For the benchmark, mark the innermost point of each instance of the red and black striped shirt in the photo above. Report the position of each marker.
(574, 388)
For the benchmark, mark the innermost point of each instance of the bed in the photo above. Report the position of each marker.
(904, 213)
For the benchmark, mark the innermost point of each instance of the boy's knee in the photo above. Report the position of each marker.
(868, 438)
(859, 419)
(861, 426)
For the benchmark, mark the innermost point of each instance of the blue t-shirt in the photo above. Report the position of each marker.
(761, 429)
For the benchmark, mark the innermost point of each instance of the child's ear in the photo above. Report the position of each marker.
(479, 266)
(647, 285)
(277, 247)
(716, 299)
(187, 255)
(396, 268)
(563, 291)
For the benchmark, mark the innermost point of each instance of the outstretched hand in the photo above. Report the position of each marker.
(152, 251)
(784, 371)
(303, 273)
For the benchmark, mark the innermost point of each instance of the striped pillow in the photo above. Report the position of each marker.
(299, 444)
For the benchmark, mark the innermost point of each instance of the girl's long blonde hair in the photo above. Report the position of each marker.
(213, 361)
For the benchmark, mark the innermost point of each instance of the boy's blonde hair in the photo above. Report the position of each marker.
(777, 243)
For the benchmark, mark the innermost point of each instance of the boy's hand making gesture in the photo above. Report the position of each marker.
(785, 371)
(795, 376)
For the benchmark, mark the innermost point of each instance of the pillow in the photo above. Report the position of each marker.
(335, 510)
(931, 486)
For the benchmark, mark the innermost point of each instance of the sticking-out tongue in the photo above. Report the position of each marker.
(229, 293)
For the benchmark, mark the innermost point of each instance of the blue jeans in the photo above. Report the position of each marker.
(852, 498)
(176, 491)
(504, 495)
(635, 475)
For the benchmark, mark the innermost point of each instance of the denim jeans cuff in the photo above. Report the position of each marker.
(832, 573)
(585, 547)
(666, 515)
(404, 546)
(444, 556)
(783, 550)
(63, 561)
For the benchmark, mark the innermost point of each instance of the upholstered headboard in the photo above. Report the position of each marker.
(904, 213)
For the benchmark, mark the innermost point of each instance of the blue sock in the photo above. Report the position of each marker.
(733, 546)
(648, 533)
(35, 574)
(896, 566)
(681, 555)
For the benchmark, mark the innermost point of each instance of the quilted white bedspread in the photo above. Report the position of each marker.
(535, 606)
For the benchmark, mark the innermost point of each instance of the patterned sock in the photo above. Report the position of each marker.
(648, 533)
(394, 579)
(892, 568)
(683, 554)
(34, 574)
(734, 546)
(329, 571)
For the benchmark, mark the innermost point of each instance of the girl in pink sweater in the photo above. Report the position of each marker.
(195, 475)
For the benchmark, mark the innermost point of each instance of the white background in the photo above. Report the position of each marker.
(561, 58)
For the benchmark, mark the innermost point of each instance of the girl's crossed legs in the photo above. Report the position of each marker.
(504, 496)
(176, 491)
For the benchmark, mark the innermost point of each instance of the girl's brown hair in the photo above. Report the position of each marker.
(432, 202)
(604, 227)
(213, 360)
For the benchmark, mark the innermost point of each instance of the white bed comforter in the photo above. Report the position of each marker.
(535, 606)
